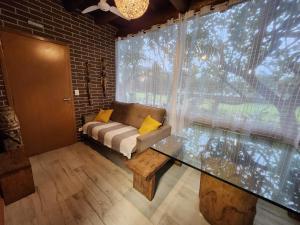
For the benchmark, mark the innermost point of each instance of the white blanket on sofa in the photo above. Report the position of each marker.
(117, 136)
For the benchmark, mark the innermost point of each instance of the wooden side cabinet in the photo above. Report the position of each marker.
(17, 185)
(16, 179)
(1, 211)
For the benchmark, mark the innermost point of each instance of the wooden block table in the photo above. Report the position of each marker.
(144, 167)
(16, 180)
(224, 204)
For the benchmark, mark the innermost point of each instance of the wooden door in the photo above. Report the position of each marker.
(38, 81)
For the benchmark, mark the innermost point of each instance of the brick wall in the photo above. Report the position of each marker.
(87, 41)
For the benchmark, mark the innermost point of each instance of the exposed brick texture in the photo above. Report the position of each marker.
(87, 41)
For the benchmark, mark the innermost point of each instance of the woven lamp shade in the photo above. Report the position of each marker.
(132, 9)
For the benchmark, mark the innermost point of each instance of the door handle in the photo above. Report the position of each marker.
(67, 99)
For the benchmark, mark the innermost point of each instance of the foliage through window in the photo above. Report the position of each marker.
(239, 68)
(145, 67)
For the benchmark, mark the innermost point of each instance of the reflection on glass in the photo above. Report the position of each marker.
(265, 167)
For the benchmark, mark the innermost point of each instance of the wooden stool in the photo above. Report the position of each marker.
(224, 204)
(1, 211)
(16, 180)
(144, 167)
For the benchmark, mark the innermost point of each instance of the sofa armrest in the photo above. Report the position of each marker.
(147, 140)
(88, 118)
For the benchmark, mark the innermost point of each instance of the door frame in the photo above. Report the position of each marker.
(9, 94)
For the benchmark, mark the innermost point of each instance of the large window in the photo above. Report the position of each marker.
(239, 69)
(145, 67)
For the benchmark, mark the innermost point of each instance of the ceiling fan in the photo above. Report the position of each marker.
(104, 6)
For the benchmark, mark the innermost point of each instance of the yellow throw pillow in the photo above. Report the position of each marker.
(104, 115)
(149, 124)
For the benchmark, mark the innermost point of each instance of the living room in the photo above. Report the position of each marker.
(150, 112)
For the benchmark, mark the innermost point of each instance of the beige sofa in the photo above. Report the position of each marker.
(121, 133)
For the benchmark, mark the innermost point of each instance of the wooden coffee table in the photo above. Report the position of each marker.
(145, 167)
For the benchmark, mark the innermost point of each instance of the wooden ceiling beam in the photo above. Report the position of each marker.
(181, 5)
(102, 18)
(196, 5)
(147, 21)
(72, 5)
(158, 13)
(152, 18)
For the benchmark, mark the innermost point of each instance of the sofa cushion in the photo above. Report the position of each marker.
(121, 111)
(149, 124)
(104, 115)
(138, 113)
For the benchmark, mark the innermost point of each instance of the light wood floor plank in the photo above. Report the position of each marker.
(76, 185)
(183, 198)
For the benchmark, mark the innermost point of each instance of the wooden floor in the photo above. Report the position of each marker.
(76, 185)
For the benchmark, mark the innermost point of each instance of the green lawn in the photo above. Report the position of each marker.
(266, 112)
(141, 97)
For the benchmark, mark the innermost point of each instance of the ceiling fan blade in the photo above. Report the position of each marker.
(117, 12)
(90, 9)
